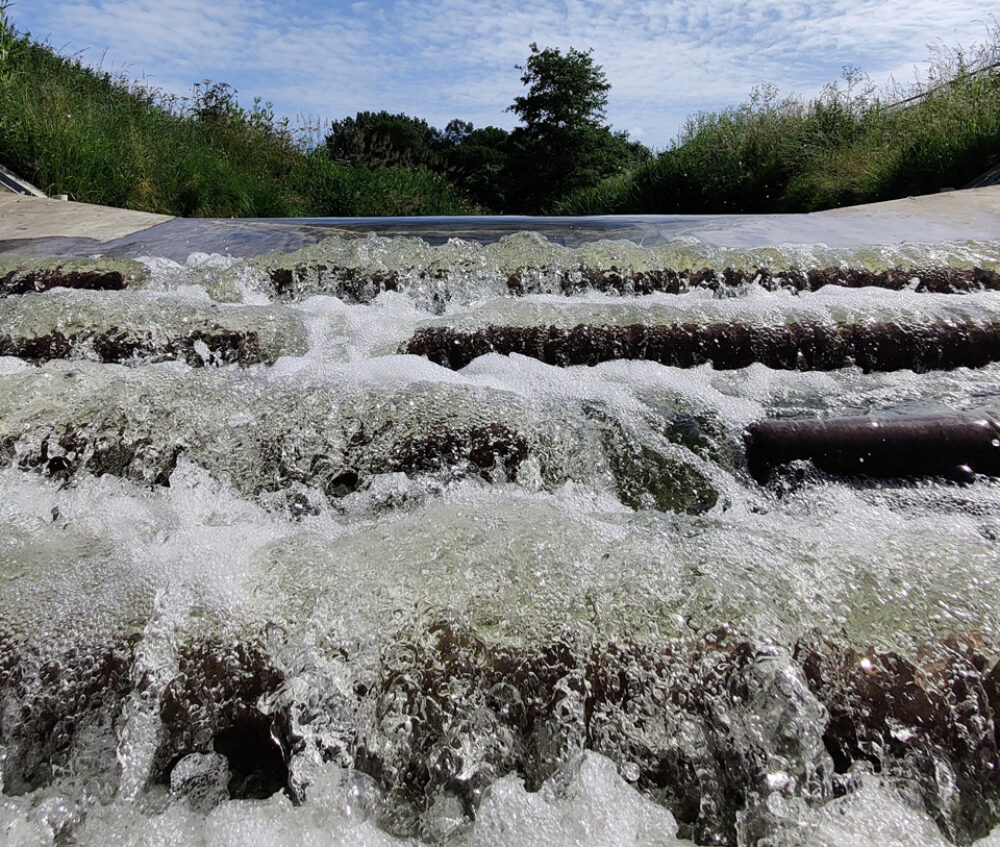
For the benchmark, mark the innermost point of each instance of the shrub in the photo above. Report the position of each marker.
(74, 130)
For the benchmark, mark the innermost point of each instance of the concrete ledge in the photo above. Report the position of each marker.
(972, 214)
(971, 209)
(23, 216)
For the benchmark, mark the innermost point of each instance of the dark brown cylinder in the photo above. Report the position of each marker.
(905, 446)
(879, 346)
(23, 281)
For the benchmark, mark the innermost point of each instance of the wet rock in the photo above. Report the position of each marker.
(931, 720)
(328, 448)
(54, 706)
(723, 731)
(711, 733)
(211, 704)
(255, 757)
(494, 451)
(65, 451)
(803, 346)
(646, 477)
(59, 706)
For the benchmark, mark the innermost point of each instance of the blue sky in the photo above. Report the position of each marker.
(441, 59)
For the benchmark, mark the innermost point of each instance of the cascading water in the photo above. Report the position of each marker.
(273, 574)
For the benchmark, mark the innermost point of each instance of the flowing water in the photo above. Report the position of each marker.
(268, 579)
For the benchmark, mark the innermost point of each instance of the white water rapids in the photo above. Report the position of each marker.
(322, 592)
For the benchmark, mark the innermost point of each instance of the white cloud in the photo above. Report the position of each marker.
(452, 58)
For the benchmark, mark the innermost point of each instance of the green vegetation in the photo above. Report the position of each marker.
(72, 130)
(472, 159)
(563, 144)
(850, 145)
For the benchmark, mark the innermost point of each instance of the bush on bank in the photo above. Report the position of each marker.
(851, 145)
(99, 139)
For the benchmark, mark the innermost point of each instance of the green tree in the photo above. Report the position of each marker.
(564, 92)
(477, 160)
(564, 143)
(380, 139)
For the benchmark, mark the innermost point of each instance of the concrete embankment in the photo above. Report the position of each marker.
(23, 216)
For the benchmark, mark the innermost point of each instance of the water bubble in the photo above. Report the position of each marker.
(630, 772)
(201, 779)
(778, 781)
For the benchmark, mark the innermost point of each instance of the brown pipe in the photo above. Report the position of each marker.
(952, 445)
(798, 346)
(23, 281)
(358, 285)
(940, 280)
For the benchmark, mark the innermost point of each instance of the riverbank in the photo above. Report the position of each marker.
(69, 129)
(852, 144)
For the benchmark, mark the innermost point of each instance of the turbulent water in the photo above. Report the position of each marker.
(267, 579)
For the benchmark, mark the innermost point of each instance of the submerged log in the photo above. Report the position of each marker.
(934, 445)
(882, 346)
(940, 280)
(358, 285)
(24, 281)
(119, 346)
(701, 724)
(353, 285)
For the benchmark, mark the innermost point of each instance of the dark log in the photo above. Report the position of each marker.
(941, 280)
(358, 285)
(949, 445)
(880, 346)
(121, 346)
(23, 281)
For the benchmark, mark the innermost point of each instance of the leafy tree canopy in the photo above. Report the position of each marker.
(563, 91)
(380, 138)
(564, 143)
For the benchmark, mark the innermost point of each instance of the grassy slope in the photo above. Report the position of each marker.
(69, 129)
(771, 156)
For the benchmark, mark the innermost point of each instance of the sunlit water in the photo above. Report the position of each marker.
(333, 594)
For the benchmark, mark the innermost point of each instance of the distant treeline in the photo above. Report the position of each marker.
(103, 139)
(497, 170)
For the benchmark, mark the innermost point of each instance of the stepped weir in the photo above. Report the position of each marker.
(653, 531)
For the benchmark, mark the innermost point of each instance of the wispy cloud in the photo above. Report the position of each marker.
(451, 58)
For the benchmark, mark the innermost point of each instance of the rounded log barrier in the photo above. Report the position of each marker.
(952, 445)
(882, 346)
(29, 281)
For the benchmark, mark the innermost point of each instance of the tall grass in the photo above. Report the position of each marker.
(852, 144)
(73, 130)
